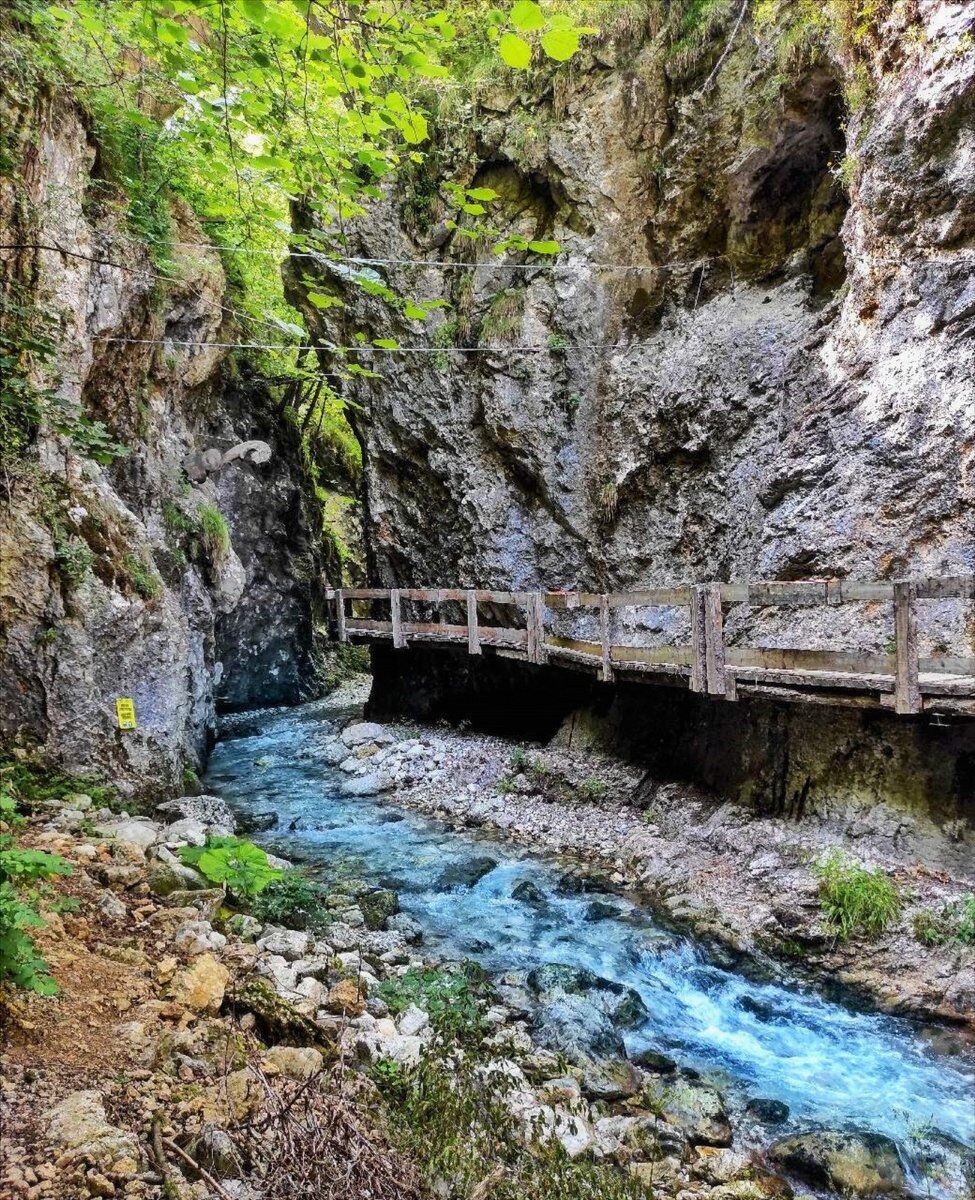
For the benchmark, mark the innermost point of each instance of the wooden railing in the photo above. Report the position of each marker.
(517, 626)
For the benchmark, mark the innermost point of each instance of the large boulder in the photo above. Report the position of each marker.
(574, 1026)
(291, 944)
(211, 810)
(852, 1162)
(623, 1005)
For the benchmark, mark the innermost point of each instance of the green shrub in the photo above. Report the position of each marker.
(452, 998)
(238, 865)
(292, 900)
(449, 1114)
(952, 923)
(74, 558)
(854, 899)
(214, 531)
(142, 577)
(519, 758)
(592, 788)
(20, 869)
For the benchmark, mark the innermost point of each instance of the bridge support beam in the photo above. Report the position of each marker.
(907, 691)
(473, 634)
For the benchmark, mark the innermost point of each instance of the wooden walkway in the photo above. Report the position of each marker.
(522, 625)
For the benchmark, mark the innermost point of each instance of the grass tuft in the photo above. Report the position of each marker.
(855, 899)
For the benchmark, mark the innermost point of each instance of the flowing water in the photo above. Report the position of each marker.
(833, 1066)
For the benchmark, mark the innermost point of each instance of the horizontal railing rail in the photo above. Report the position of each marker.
(901, 678)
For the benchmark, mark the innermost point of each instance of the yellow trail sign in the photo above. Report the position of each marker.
(125, 709)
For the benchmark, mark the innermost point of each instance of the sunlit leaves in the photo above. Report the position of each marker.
(526, 15)
(557, 35)
(515, 51)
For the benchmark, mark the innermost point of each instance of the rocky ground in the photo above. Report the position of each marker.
(191, 1053)
(741, 881)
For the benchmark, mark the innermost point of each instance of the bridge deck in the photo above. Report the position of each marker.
(518, 625)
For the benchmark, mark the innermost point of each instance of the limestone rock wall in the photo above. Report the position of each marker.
(107, 587)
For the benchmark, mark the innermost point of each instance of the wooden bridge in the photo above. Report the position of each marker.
(524, 625)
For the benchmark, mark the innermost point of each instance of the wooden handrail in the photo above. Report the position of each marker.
(708, 665)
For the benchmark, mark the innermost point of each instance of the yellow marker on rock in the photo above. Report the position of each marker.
(126, 713)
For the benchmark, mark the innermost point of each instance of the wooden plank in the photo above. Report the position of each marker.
(944, 685)
(368, 625)
(815, 679)
(433, 595)
(531, 628)
(957, 587)
(698, 641)
(473, 641)
(797, 593)
(396, 619)
(340, 615)
(788, 659)
(650, 597)
(730, 686)
(714, 640)
(853, 589)
(678, 656)
(907, 693)
(497, 597)
(366, 593)
(607, 668)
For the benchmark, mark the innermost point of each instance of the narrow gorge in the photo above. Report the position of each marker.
(487, 599)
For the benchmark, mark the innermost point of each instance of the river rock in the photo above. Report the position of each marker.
(378, 906)
(361, 732)
(769, 1112)
(655, 1062)
(188, 831)
(80, 1126)
(574, 1026)
(290, 944)
(408, 927)
(527, 892)
(197, 937)
(466, 873)
(211, 810)
(257, 822)
(346, 999)
(698, 1111)
(139, 833)
(297, 1062)
(201, 986)
(165, 878)
(369, 784)
(861, 1163)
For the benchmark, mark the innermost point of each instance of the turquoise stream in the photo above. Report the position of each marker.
(833, 1066)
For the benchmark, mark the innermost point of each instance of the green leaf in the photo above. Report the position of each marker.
(515, 51)
(526, 15)
(386, 343)
(560, 44)
(414, 128)
(482, 193)
(320, 300)
(544, 247)
(414, 312)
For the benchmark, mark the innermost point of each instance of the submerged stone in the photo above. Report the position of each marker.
(769, 1112)
(466, 873)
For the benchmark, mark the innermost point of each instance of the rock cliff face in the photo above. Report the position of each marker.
(779, 384)
(122, 580)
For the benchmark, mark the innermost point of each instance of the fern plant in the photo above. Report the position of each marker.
(20, 870)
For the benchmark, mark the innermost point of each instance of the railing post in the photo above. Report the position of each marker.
(907, 689)
(340, 615)
(536, 613)
(698, 681)
(714, 639)
(607, 668)
(396, 616)
(473, 636)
